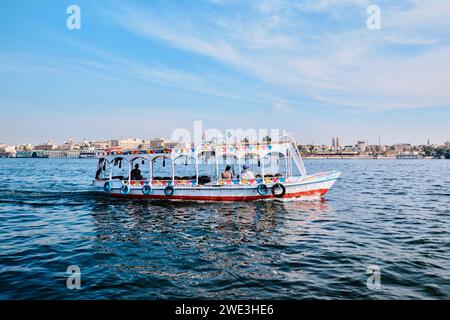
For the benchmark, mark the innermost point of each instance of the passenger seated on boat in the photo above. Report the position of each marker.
(227, 175)
(136, 173)
(247, 173)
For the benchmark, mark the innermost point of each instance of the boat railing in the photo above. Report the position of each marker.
(266, 180)
(193, 182)
(137, 183)
(179, 183)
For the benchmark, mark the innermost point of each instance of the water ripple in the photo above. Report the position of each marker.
(393, 214)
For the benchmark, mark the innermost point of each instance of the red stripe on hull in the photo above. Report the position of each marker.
(315, 192)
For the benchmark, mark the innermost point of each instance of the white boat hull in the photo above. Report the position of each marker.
(312, 186)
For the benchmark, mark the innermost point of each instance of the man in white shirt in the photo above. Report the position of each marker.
(247, 173)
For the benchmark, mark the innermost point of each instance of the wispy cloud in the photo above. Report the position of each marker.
(115, 68)
(349, 67)
(281, 106)
(330, 6)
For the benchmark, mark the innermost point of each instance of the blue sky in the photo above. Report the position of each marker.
(145, 68)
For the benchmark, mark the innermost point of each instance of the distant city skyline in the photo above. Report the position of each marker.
(337, 141)
(312, 68)
(89, 149)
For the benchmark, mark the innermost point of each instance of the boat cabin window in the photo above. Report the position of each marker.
(207, 169)
(120, 169)
(185, 168)
(162, 168)
(275, 165)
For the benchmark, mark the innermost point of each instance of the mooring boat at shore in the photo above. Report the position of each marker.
(285, 178)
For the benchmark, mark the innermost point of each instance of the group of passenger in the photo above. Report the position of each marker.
(228, 174)
(246, 173)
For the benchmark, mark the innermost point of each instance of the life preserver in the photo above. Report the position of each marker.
(147, 189)
(107, 186)
(125, 189)
(262, 189)
(169, 190)
(277, 186)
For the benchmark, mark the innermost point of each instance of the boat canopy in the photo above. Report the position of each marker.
(286, 149)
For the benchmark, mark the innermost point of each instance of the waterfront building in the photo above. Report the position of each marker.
(145, 144)
(69, 145)
(403, 147)
(362, 146)
(130, 143)
(391, 152)
(24, 147)
(49, 145)
(157, 143)
(7, 150)
(171, 144)
(350, 148)
(376, 148)
(100, 145)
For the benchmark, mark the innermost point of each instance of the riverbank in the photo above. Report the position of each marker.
(304, 157)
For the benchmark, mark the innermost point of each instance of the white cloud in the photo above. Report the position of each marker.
(330, 6)
(281, 106)
(351, 67)
(410, 41)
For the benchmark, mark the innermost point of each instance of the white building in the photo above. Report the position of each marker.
(7, 150)
(24, 147)
(68, 145)
(102, 144)
(362, 146)
(130, 143)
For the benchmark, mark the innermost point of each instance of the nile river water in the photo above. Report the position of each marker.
(394, 214)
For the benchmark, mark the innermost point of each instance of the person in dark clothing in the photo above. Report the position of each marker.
(98, 174)
(100, 168)
(136, 173)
